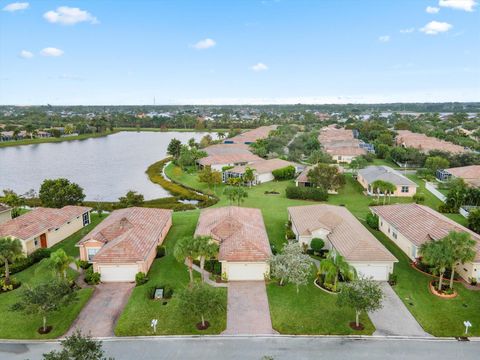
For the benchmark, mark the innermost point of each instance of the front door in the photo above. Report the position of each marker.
(43, 240)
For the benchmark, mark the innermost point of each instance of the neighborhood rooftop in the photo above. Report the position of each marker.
(262, 166)
(40, 220)
(240, 232)
(252, 135)
(229, 159)
(349, 237)
(426, 143)
(128, 234)
(385, 173)
(471, 174)
(420, 223)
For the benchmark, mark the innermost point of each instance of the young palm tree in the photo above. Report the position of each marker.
(388, 189)
(249, 176)
(377, 188)
(437, 255)
(207, 249)
(461, 248)
(334, 266)
(60, 261)
(186, 249)
(10, 251)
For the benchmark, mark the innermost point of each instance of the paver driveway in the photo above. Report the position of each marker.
(248, 312)
(394, 318)
(99, 316)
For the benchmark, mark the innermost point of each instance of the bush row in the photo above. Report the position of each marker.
(28, 261)
(285, 173)
(306, 193)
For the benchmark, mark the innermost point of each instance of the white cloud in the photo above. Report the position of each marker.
(69, 16)
(432, 9)
(204, 44)
(466, 5)
(51, 51)
(259, 67)
(436, 27)
(407, 30)
(384, 38)
(26, 54)
(16, 6)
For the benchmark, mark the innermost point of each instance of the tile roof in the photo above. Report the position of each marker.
(385, 173)
(303, 177)
(234, 158)
(240, 232)
(346, 151)
(253, 135)
(223, 149)
(262, 166)
(128, 234)
(419, 223)
(340, 141)
(426, 143)
(40, 220)
(471, 174)
(348, 236)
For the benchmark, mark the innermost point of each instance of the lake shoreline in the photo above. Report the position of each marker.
(50, 140)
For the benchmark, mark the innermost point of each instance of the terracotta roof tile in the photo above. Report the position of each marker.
(471, 174)
(426, 143)
(262, 166)
(253, 135)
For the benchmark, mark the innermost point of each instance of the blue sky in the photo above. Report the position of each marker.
(234, 52)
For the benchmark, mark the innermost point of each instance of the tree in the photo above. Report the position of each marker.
(249, 176)
(60, 262)
(10, 251)
(461, 250)
(457, 190)
(201, 300)
(207, 248)
(174, 148)
(205, 141)
(474, 220)
(335, 266)
(131, 198)
(434, 163)
(362, 295)
(186, 249)
(58, 193)
(436, 254)
(388, 190)
(235, 194)
(209, 176)
(13, 200)
(326, 176)
(45, 298)
(78, 347)
(357, 163)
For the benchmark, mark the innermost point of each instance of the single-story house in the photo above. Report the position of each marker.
(218, 162)
(125, 243)
(370, 174)
(470, 174)
(262, 170)
(345, 154)
(343, 233)
(242, 238)
(424, 143)
(250, 136)
(411, 225)
(5, 213)
(45, 227)
(302, 179)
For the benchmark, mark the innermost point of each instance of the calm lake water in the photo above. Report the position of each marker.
(105, 167)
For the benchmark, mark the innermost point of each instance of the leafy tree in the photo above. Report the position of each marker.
(174, 148)
(317, 244)
(326, 176)
(357, 163)
(207, 248)
(362, 295)
(45, 298)
(319, 156)
(372, 221)
(200, 300)
(209, 176)
(78, 347)
(188, 156)
(335, 266)
(382, 151)
(285, 173)
(205, 141)
(11, 250)
(434, 163)
(186, 249)
(436, 254)
(249, 176)
(474, 220)
(131, 199)
(58, 193)
(60, 262)
(15, 201)
(455, 196)
(235, 194)
(383, 187)
(461, 250)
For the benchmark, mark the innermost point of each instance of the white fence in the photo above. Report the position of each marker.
(430, 187)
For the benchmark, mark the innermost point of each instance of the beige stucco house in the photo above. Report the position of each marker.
(45, 227)
(411, 225)
(242, 238)
(404, 186)
(125, 243)
(5, 213)
(342, 232)
(262, 170)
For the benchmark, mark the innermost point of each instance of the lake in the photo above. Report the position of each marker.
(106, 167)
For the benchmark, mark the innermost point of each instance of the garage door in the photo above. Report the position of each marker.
(118, 273)
(246, 271)
(377, 271)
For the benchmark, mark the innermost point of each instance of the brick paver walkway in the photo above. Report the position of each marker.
(248, 312)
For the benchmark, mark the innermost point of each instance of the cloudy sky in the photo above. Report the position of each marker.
(234, 52)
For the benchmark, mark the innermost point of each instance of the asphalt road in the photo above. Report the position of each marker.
(255, 348)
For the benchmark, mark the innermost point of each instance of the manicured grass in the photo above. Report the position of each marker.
(53, 139)
(140, 310)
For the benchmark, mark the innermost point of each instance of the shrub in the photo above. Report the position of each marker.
(285, 173)
(274, 249)
(473, 281)
(372, 221)
(91, 277)
(140, 278)
(419, 198)
(213, 266)
(160, 251)
(392, 279)
(40, 254)
(317, 244)
(306, 193)
(14, 284)
(289, 234)
(28, 261)
(83, 264)
(167, 291)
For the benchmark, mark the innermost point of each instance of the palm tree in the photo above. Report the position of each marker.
(10, 251)
(388, 189)
(461, 248)
(249, 176)
(377, 188)
(60, 261)
(334, 266)
(436, 254)
(207, 249)
(186, 249)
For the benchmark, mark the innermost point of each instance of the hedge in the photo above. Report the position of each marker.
(306, 193)
(285, 173)
(26, 262)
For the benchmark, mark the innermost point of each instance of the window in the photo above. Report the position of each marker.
(91, 252)
(86, 219)
(394, 234)
(404, 189)
(35, 242)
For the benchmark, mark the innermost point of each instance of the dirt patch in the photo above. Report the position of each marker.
(201, 326)
(43, 331)
(354, 326)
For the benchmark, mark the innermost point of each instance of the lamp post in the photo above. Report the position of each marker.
(154, 325)
(467, 325)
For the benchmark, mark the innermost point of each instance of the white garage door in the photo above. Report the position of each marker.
(118, 273)
(246, 271)
(377, 271)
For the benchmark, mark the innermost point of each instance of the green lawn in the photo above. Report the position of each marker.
(140, 310)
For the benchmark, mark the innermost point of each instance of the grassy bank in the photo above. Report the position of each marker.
(170, 130)
(54, 139)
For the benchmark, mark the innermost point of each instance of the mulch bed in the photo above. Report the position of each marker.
(433, 289)
(200, 326)
(43, 331)
(354, 326)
